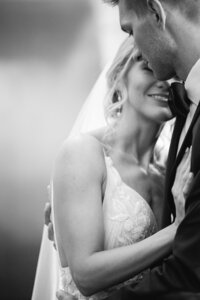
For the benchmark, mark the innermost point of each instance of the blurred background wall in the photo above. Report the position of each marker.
(51, 53)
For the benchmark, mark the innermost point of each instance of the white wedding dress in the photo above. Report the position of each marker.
(128, 219)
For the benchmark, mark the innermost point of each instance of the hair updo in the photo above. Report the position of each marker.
(117, 75)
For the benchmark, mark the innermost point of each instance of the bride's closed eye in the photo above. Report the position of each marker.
(145, 66)
(148, 69)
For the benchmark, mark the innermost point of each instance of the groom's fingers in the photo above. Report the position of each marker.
(47, 216)
(61, 295)
(47, 213)
(50, 232)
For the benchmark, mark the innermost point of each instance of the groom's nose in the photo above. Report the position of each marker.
(164, 85)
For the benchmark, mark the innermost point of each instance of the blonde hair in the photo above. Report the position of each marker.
(123, 61)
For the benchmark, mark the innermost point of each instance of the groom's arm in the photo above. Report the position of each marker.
(180, 271)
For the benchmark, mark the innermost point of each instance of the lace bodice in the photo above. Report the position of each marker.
(127, 219)
(127, 216)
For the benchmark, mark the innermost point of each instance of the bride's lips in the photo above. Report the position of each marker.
(161, 98)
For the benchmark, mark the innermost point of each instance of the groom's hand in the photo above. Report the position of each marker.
(48, 222)
(47, 218)
(61, 295)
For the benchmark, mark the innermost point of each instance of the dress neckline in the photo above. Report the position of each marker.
(120, 178)
(124, 183)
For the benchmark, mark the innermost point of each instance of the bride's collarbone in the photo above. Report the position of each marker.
(134, 177)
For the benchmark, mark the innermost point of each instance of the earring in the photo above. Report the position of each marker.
(119, 99)
(118, 113)
(119, 96)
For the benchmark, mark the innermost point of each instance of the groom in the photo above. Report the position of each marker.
(168, 34)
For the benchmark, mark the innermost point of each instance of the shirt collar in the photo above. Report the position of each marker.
(192, 83)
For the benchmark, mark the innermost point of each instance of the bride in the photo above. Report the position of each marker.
(107, 192)
(106, 186)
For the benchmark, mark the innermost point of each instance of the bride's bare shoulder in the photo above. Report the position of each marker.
(98, 134)
(83, 145)
(82, 151)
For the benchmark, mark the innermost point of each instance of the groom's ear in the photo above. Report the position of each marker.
(157, 12)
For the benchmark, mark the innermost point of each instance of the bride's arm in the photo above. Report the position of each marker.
(78, 179)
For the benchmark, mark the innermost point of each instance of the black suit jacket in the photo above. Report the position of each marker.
(178, 277)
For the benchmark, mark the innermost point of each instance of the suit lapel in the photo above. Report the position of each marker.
(173, 158)
(174, 143)
(187, 142)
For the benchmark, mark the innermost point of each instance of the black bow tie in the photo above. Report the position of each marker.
(179, 103)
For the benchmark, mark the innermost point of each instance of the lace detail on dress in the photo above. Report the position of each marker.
(127, 219)
(68, 285)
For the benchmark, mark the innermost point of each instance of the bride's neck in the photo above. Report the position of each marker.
(135, 136)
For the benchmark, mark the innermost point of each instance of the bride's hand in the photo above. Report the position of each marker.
(181, 187)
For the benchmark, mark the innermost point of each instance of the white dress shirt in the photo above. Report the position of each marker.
(192, 86)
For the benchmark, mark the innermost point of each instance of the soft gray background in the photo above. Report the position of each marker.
(51, 53)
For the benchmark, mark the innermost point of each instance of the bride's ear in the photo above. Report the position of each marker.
(157, 12)
(119, 92)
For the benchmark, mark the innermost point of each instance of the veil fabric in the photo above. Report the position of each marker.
(91, 117)
(47, 273)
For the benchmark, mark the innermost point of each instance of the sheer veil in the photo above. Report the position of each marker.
(91, 117)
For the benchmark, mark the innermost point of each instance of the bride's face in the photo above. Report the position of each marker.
(147, 95)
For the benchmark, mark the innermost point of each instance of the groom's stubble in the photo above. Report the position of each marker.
(162, 44)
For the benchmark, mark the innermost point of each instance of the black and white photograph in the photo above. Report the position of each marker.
(100, 149)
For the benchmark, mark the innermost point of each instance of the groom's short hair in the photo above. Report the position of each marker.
(190, 8)
(139, 5)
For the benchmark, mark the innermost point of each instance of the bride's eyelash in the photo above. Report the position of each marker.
(147, 68)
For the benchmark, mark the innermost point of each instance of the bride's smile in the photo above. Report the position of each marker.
(147, 95)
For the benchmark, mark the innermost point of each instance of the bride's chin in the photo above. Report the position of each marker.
(164, 118)
(166, 114)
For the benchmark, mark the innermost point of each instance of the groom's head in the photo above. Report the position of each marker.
(156, 26)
